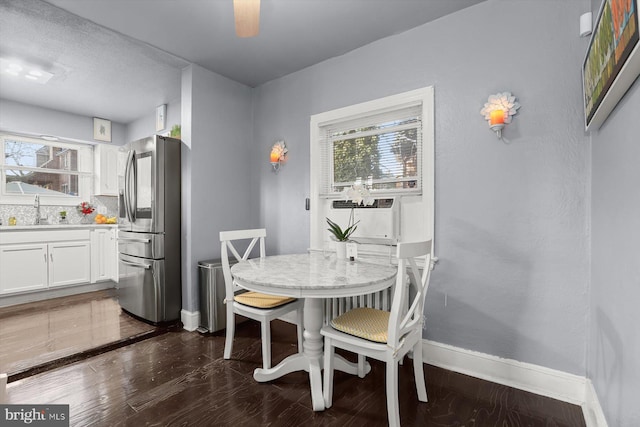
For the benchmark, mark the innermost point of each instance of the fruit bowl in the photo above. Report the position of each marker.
(101, 219)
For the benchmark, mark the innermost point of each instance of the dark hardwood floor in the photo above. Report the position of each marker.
(180, 378)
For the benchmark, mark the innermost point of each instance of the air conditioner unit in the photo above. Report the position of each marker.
(376, 222)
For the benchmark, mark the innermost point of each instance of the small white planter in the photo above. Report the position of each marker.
(341, 250)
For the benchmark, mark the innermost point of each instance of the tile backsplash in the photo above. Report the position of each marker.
(26, 214)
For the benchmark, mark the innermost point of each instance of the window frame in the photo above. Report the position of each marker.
(423, 97)
(417, 206)
(84, 173)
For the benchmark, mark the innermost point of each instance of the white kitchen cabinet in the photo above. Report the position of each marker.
(40, 259)
(104, 255)
(31, 267)
(23, 268)
(106, 170)
(69, 263)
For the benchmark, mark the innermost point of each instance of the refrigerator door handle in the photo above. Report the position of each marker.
(135, 264)
(127, 186)
(120, 239)
(134, 206)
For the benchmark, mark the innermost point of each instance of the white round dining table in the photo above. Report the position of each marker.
(312, 276)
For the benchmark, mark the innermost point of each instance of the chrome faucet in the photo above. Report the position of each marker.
(36, 204)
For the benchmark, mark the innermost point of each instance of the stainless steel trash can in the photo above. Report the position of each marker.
(212, 293)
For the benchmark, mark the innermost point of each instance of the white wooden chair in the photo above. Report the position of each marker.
(261, 307)
(386, 336)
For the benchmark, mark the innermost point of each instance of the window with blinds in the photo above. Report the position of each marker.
(31, 166)
(382, 150)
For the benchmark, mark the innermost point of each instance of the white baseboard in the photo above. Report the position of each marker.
(190, 320)
(8, 300)
(593, 415)
(524, 376)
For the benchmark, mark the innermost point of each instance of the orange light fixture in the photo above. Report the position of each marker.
(275, 156)
(247, 17)
(278, 155)
(496, 117)
(498, 111)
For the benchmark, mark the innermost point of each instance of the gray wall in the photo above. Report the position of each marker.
(217, 182)
(25, 118)
(511, 218)
(614, 319)
(34, 120)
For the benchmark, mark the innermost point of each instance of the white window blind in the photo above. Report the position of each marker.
(382, 150)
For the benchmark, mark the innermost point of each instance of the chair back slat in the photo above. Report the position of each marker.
(406, 316)
(226, 245)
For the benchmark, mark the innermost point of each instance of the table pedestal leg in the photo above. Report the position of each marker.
(311, 360)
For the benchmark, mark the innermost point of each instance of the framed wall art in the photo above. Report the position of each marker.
(101, 129)
(612, 62)
(161, 117)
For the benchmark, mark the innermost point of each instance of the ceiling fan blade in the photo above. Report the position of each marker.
(247, 17)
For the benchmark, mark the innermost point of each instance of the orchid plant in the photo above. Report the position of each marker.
(338, 233)
(359, 194)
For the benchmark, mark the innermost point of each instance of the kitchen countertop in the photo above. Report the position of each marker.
(53, 227)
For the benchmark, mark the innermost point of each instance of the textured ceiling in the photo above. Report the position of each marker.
(119, 59)
(294, 34)
(97, 72)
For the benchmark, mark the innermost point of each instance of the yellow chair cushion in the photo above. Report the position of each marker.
(368, 323)
(258, 300)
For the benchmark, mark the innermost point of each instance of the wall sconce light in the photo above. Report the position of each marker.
(278, 155)
(498, 111)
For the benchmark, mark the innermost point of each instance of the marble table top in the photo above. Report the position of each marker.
(313, 275)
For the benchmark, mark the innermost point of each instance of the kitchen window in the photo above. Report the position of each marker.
(60, 172)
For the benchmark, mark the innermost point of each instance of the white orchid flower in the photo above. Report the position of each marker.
(358, 193)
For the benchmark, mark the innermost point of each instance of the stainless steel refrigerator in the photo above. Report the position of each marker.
(149, 284)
